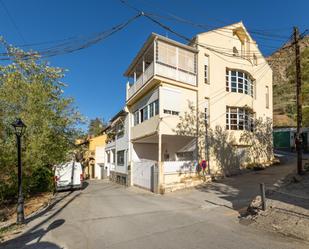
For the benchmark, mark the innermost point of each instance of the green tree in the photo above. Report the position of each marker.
(96, 126)
(291, 108)
(32, 90)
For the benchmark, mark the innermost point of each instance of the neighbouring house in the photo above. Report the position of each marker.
(95, 157)
(221, 72)
(284, 138)
(117, 162)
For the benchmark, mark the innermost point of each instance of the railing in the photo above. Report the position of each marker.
(175, 74)
(149, 72)
(161, 70)
(179, 166)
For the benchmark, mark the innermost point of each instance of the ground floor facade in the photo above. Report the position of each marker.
(184, 219)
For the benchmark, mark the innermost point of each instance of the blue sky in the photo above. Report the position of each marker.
(95, 77)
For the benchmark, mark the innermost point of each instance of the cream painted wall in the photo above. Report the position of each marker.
(219, 98)
(185, 96)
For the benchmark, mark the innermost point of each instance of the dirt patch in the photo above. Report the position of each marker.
(32, 204)
(287, 209)
(8, 212)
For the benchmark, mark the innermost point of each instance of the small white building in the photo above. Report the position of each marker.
(101, 172)
(117, 149)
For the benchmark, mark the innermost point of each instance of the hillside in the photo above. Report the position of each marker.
(283, 88)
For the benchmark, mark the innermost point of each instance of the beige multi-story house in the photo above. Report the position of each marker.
(220, 73)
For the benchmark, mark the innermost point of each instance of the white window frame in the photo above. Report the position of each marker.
(247, 82)
(247, 119)
(206, 68)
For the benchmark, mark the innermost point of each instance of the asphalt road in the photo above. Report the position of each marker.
(107, 215)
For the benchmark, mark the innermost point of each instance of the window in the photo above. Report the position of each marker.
(184, 156)
(120, 130)
(151, 110)
(108, 156)
(156, 107)
(136, 117)
(235, 51)
(142, 115)
(175, 113)
(175, 57)
(166, 54)
(267, 96)
(239, 82)
(146, 112)
(255, 62)
(120, 158)
(113, 157)
(206, 69)
(206, 112)
(238, 118)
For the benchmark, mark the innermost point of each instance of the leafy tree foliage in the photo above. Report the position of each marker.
(32, 90)
(291, 107)
(260, 141)
(222, 149)
(96, 126)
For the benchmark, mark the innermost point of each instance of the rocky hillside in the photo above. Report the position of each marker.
(283, 88)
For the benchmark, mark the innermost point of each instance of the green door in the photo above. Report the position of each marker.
(282, 140)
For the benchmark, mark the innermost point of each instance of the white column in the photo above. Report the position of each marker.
(160, 164)
(154, 56)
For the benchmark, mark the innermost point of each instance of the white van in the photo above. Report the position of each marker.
(68, 176)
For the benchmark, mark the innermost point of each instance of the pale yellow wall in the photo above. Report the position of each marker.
(169, 122)
(219, 98)
(216, 92)
(146, 128)
(164, 123)
(97, 141)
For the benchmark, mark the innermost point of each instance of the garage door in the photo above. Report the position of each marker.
(143, 174)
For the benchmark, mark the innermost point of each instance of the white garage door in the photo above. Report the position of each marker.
(142, 174)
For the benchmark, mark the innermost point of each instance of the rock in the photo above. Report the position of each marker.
(255, 205)
(297, 178)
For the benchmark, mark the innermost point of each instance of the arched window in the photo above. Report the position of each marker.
(239, 82)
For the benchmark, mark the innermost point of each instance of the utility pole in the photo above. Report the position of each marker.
(298, 102)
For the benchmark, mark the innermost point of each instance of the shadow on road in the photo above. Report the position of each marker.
(241, 189)
(23, 240)
(36, 233)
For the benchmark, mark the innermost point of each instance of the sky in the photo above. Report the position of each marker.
(95, 75)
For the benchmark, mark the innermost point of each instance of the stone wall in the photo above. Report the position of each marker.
(121, 178)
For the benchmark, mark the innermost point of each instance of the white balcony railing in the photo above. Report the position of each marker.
(161, 70)
(179, 166)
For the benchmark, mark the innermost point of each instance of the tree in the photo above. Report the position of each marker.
(260, 141)
(291, 108)
(32, 90)
(96, 126)
(220, 142)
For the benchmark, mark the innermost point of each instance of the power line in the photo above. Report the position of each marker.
(12, 21)
(70, 45)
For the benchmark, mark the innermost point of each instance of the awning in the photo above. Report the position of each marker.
(191, 146)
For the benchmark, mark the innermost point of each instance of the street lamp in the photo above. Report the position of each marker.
(19, 128)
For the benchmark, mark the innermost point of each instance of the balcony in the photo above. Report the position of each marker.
(163, 57)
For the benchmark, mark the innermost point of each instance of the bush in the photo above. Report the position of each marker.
(41, 180)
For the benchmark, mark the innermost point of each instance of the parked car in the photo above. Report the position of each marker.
(68, 176)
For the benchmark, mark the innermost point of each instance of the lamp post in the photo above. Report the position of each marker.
(19, 128)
